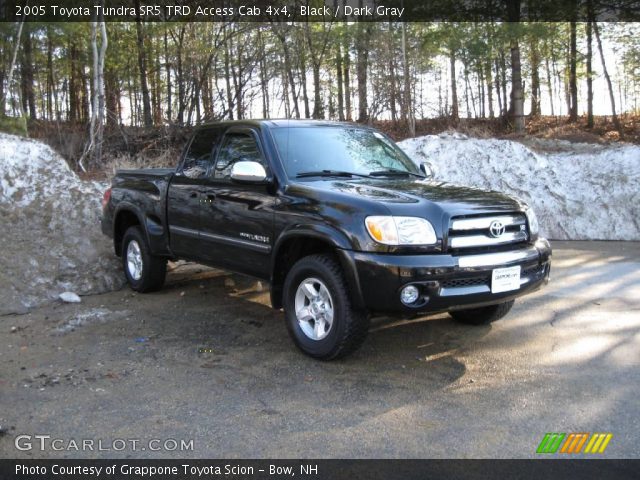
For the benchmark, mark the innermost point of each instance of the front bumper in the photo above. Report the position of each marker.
(446, 281)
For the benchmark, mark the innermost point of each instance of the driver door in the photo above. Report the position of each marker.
(236, 222)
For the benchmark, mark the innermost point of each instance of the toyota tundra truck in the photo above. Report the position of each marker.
(338, 220)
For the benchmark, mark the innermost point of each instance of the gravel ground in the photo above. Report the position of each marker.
(207, 360)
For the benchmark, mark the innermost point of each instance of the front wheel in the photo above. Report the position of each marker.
(144, 272)
(318, 311)
(482, 315)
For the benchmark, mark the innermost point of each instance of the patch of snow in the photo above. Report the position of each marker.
(95, 315)
(50, 233)
(69, 297)
(588, 192)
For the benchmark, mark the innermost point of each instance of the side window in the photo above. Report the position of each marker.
(199, 155)
(236, 147)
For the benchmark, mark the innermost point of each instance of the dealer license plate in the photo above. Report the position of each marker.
(505, 279)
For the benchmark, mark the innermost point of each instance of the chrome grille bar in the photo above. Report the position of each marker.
(497, 259)
(484, 241)
(481, 223)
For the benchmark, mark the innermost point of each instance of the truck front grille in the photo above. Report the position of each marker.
(487, 231)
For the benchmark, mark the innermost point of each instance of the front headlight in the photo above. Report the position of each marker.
(400, 230)
(533, 221)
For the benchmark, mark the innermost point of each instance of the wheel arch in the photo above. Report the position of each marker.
(126, 217)
(298, 243)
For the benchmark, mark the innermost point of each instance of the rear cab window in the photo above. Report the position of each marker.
(200, 154)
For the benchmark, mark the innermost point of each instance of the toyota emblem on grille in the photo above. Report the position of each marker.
(496, 228)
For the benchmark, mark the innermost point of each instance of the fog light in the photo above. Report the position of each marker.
(409, 294)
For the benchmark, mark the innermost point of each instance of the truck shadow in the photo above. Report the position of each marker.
(399, 351)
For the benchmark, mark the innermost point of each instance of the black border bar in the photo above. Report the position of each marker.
(535, 469)
(324, 10)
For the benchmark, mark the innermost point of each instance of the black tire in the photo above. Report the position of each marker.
(349, 326)
(154, 269)
(483, 315)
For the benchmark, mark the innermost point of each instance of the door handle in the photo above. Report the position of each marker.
(210, 198)
(193, 194)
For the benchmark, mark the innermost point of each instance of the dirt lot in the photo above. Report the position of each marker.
(207, 359)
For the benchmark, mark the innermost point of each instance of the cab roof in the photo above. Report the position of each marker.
(284, 123)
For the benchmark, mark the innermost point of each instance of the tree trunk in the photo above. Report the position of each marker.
(179, 76)
(489, 88)
(167, 66)
(549, 85)
(340, 87)
(142, 65)
(481, 93)
(503, 82)
(264, 83)
(466, 89)
(157, 90)
(289, 72)
(535, 78)
(407, 84)
(303, 84)
(362, 65)
(573, 78)
(616, 120)
(503, 64)
(589, 74)
(318, 110)
(227, 76)
(73, 90)
(285, 95)
(392, 81)
(454, 86)
(500, 109)
(517, 90)
(567, 89)
(93, 148)
(237, 85)
(347, 84)
(28, 97)
(12, 67)
(112, 98)
(517, 93)
(51, 88)
(84, 104)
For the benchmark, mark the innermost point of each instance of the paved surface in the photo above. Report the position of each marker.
(206, 359)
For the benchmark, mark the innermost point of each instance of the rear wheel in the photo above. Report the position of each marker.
(482, 315)
(144, 272)
(318, 311)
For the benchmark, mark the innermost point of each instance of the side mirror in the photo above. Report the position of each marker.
(428, 170)
(248, 172)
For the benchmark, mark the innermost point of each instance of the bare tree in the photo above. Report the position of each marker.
(12, 68)
(407, 84)
(573, 82)
(517, 90)
(616, 120)
(93, 149)
(142, 65)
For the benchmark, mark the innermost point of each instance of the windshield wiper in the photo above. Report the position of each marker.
(330, 173)
(392, 172)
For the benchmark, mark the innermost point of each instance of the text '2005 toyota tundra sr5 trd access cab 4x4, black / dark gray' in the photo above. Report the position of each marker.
(337, 219)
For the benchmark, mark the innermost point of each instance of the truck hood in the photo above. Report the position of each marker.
(406, 194)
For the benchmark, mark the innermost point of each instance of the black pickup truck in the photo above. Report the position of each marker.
(339, 221)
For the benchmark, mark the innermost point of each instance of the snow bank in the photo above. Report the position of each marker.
(49, 231)
(579, 192)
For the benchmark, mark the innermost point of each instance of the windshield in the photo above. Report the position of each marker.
(359, 151)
